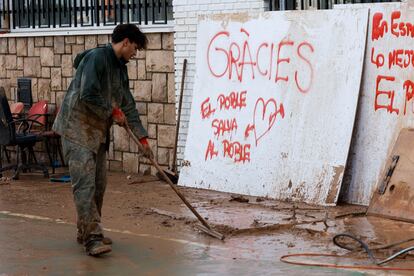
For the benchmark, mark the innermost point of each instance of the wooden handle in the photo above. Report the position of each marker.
(166, 178)
(177, 129)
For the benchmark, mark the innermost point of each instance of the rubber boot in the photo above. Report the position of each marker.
(105, 240)
(96, 248)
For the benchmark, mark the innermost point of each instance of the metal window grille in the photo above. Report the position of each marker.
(20, 14)
(281, 5)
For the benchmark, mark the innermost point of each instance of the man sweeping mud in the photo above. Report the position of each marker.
(98, 96)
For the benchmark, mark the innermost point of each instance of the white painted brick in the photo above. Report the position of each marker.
(180, 21)
(190, 73)
(241, 6)
(230, 7)
(192, 34)
(193, 7)
(181, 35)
(182, 28)
(191, 47)
(181, 48)
(203, 8)
(257, 5)
(180, 55)
(180, 9)
(181, 41)
(179, 2)
(185, 133)
(186, 99)
(190, 20)
(187, 105)
(185, 113)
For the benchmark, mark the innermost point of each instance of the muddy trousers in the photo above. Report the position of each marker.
(88, 173)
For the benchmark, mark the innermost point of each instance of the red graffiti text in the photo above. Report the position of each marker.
(271, 60)
(409, 94)
(237, 151)
(389, 95)
(206, 109)
(223, 126)
(395, 26)
(379, 27)
(401, 58)
(211, 151)
(233, 100)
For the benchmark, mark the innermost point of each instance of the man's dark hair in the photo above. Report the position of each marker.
(132, 32)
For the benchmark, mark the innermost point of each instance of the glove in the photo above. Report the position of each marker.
(146, 149)
(118, 116)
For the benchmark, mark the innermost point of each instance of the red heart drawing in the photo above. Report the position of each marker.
(264, 117)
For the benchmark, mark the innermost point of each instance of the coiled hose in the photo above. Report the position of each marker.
(286, 258)
(369, 251)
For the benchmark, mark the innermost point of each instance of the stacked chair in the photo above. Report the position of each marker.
(15, 131)
(16, 110)
(39, 123)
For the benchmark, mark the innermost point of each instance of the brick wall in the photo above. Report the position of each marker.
(185, 19)
(48, 62)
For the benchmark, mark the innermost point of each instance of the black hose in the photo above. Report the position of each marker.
(368, 250)
(363, 245)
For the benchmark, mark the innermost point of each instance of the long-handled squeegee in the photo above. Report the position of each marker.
(205, 227)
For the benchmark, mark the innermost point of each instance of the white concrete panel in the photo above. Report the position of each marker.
(295, 79)
(385, 105)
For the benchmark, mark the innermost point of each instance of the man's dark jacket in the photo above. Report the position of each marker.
(101, 83)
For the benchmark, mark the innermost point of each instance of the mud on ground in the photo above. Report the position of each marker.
(252, 225)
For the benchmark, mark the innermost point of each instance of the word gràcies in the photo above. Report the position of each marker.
(271, 60)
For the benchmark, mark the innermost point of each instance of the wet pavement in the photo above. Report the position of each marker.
(154, 233)
(37, 247)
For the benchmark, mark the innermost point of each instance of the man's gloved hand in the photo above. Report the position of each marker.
(118, 116)
(147, 152)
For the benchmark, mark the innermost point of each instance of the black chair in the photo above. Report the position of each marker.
(51, 139)
(13, 132)
(40, 124)
(24, 92)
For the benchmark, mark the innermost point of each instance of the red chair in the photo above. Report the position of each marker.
(53, 140)
(16, 109)
(37, 115)
(39, 118)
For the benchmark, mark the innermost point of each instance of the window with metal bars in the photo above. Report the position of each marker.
(281, 5)
(32, 14)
